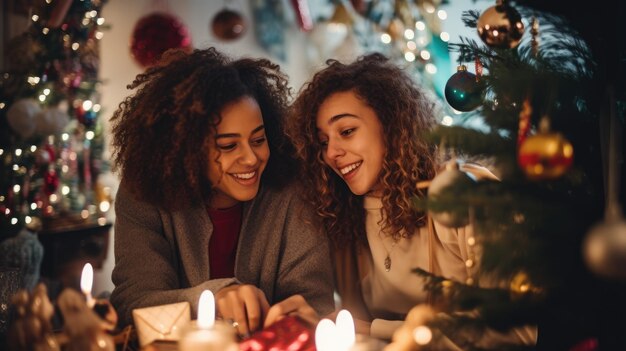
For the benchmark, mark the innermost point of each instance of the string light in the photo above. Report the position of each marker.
(419, 25)
(409, 34)
(18, 152)
(442, 14)
(45, 30)
(447, 121)
(422, 335)
(2, 104)
(385, 38)
(105, 206)
(445, 36)
(100, 21)
(409, 56)
(75, 46)
(431, 68)
(425, 55)
(96, 108)
(89, 135)
(16, 188)
(35, 18)
(65, 190)
(87, 104)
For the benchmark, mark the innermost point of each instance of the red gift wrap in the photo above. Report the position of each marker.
(290, 333)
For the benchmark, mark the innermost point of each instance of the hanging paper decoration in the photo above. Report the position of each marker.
(303, 14)
(156, 33)
(500, 26)
(269, 26)
(463, 90)
(228, 24)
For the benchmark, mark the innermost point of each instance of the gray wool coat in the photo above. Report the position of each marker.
(163, 257)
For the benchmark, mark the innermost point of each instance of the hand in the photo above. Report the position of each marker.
(293, 305)
(362, 327)
(244, 304)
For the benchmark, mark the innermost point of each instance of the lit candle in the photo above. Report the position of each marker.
(341, 336)
(205, 334)
(86, 282)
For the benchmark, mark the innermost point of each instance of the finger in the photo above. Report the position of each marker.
(252, 307)
(239, 314)
(285, 307)
(223, 309)
(265, 305)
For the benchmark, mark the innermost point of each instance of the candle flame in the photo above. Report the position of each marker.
(345, 329)
(86, 279)
(325, 335)
(336, 337)
(206, 310)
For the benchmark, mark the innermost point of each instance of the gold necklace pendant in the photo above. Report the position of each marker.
(387, 263)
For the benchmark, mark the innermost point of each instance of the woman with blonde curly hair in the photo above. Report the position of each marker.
(359, 130)
(206, 199)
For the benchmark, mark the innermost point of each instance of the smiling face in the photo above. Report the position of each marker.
(238, 155)
(352, 141)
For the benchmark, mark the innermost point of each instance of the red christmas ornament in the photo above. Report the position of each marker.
(228, 25)
(51, 182)
(156, 33)
(289, 333)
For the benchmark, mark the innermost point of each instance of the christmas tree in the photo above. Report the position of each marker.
(552, 119)
(51, 139)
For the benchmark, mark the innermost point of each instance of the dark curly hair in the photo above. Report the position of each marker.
(161, 132)
(405, 113)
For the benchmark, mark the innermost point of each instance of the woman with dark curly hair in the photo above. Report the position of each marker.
(359, 131)
(202, 204)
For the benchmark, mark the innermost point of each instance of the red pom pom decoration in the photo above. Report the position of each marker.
(156, 33)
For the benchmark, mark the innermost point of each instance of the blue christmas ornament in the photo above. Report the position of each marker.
(463, 91)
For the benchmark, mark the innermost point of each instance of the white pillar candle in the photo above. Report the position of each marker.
(205, 334)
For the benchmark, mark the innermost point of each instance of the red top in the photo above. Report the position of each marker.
(223, 243)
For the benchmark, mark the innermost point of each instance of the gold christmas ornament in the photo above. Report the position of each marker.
(500, 26)
(545, 155)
